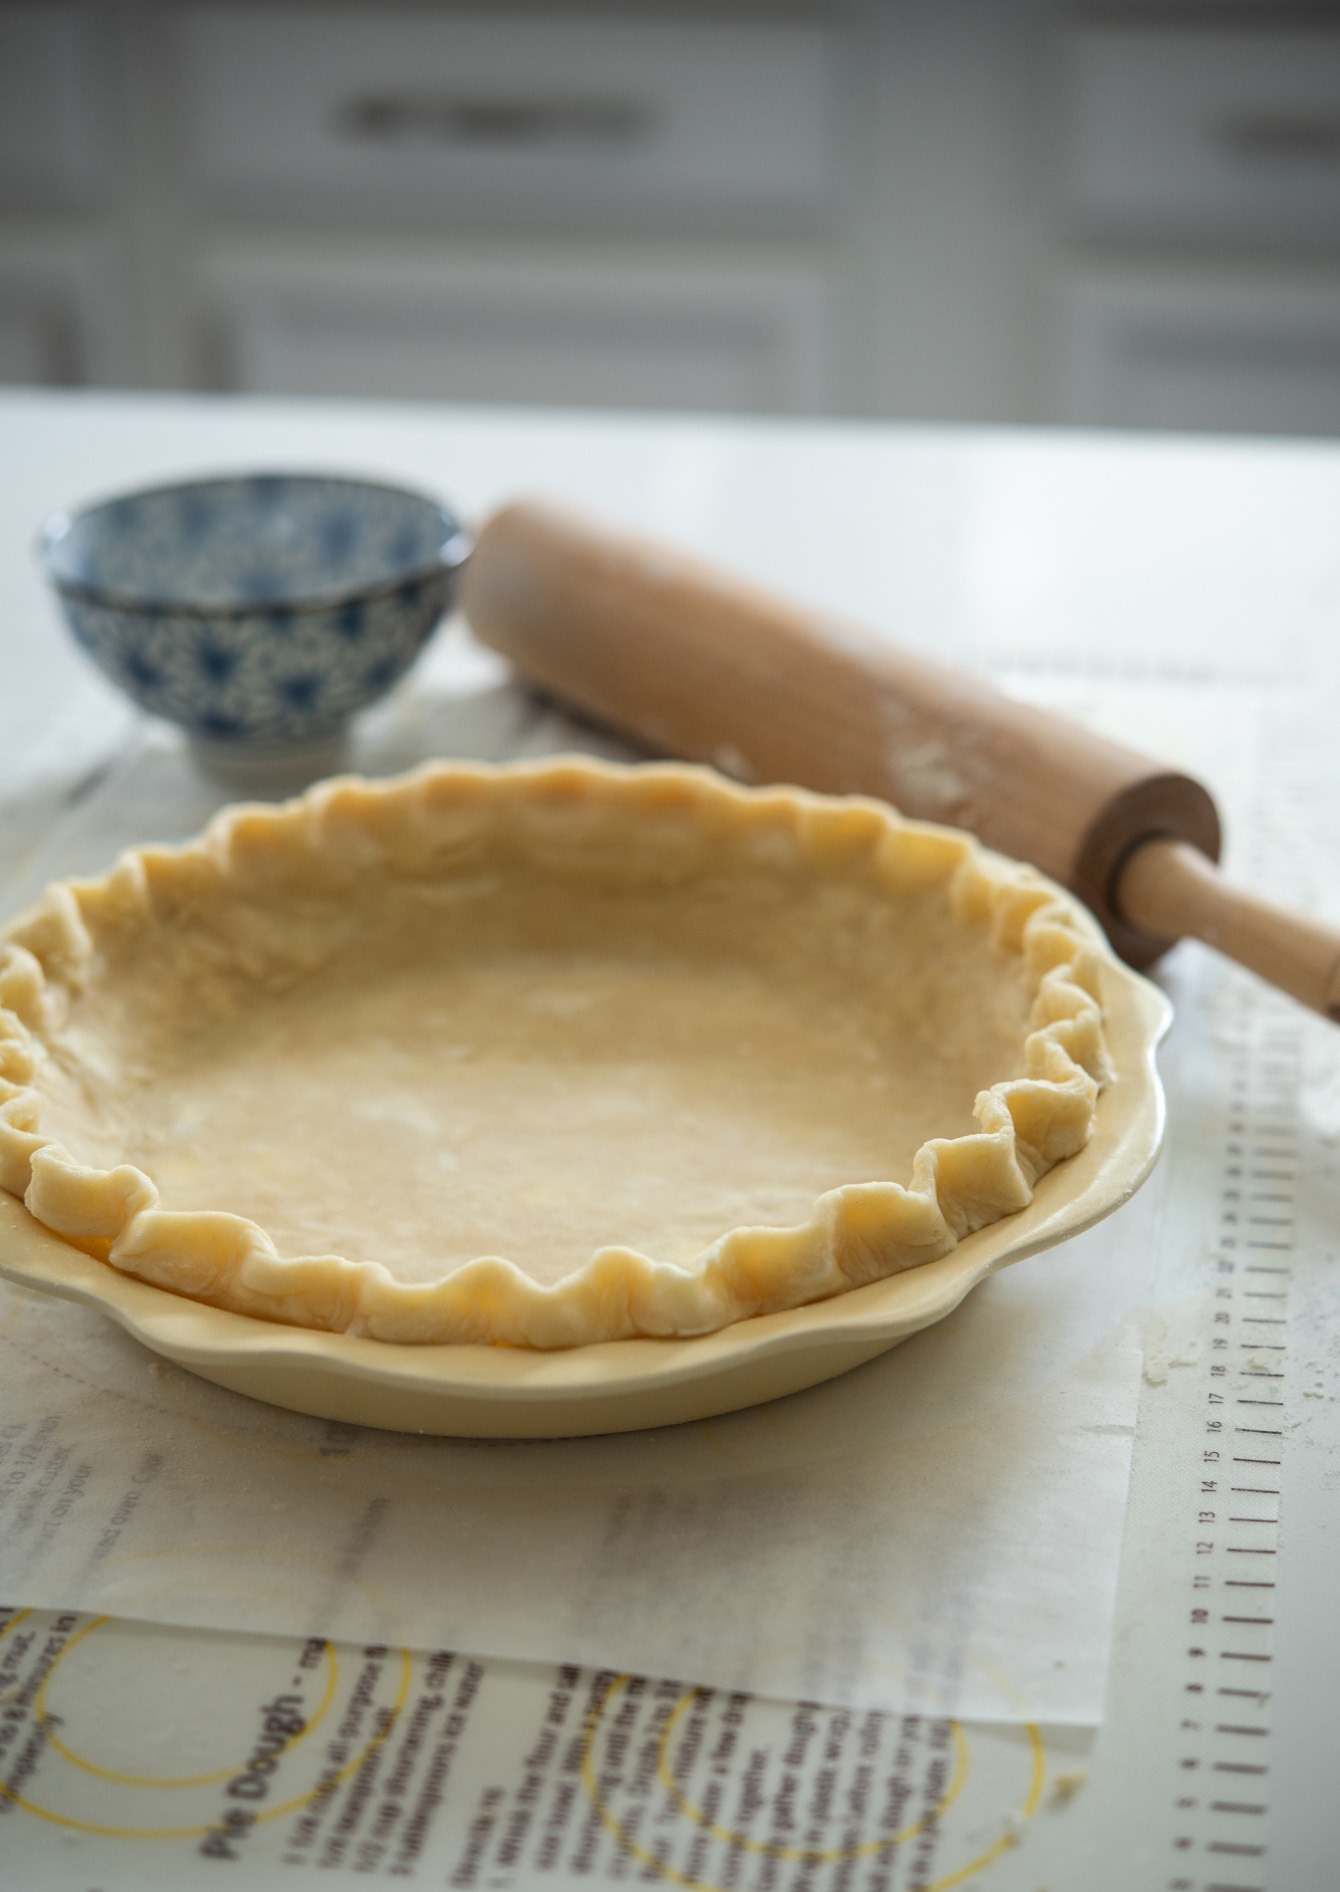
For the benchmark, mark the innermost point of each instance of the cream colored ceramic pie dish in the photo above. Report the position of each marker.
(544, 1056)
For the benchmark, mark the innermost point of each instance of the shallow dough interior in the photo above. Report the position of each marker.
(474, 1071)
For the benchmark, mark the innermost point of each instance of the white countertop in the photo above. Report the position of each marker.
(1154, 585)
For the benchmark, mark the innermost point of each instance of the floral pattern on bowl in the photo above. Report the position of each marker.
(260, 608)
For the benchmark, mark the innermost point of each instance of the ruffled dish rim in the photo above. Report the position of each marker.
(857, 1233)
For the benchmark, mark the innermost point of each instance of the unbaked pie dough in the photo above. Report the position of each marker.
(543, 1055)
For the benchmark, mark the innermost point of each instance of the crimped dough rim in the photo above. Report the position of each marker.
(857, 1233)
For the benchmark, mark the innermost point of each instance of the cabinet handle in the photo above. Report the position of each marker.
(1284, 137)
(493, 121)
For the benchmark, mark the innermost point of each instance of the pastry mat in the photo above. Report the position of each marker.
(973, 1482)
(472, 1772)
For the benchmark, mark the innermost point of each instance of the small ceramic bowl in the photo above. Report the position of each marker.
(257, 612)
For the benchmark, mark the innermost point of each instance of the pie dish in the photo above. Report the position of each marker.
(544, 1056)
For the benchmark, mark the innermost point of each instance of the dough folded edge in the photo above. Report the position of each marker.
(856, 1234)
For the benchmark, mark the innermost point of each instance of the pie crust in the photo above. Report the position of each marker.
(543, 1055)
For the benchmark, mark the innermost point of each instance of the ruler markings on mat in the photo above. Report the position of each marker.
(1222, 1804)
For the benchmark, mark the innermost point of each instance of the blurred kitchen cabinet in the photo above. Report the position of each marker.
(1076, 211)
(518, 328)
(605, 161)
(56, 138)
(1244, 356)
(1191, 136)
(585, 120)
(1199, 276)
(61, 312)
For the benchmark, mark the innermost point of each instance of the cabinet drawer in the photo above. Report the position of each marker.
(1228, 136)
(1207, 353)
(474, 117)
(593, 333)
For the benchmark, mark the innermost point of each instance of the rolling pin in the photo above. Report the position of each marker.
(697, 664)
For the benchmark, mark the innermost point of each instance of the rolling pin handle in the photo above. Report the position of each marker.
(1172, 889)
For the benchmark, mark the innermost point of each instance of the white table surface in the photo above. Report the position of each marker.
(1077, 565)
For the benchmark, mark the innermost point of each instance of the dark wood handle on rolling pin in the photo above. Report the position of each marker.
(700, 665)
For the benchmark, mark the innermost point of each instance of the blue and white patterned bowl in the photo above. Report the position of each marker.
(256, 610)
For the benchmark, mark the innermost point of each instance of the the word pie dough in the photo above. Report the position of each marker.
(543, 1055)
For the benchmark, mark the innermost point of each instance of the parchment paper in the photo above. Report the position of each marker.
(966, 1491)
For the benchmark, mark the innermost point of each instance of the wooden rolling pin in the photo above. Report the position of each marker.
(697, 664)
